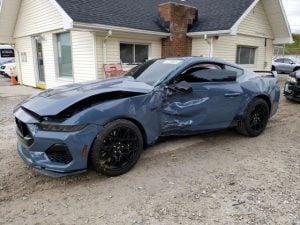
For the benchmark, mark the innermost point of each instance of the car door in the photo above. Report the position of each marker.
(212, 104)
(288, 65)
(279, 63)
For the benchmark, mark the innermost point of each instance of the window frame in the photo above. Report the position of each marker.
(57, 70)
(133, 51)
(242, 71)
(281, 59)
(288, 61)
(238, 54)
(222, 66)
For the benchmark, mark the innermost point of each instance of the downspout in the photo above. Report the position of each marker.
(109, 34)
(211, 51)
(210, 44)
(266, 49)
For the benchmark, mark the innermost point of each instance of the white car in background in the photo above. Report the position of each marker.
(286, 64)
(8, 68)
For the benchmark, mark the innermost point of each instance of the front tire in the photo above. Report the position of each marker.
(296, 69)
(117, 148)
(255, 118)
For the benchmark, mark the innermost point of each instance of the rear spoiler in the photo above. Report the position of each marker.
(267, 73)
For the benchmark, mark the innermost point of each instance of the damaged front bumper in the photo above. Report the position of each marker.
(50, 153)
(292, 91)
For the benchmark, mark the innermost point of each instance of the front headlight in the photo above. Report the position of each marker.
(292, 79)
(60, 128)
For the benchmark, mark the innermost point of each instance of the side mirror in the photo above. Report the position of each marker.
(184, 87)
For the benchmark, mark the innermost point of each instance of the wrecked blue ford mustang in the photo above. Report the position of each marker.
(107, 123)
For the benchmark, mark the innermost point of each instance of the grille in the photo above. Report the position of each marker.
(23, 133)
(59, 153)
(294, 88)
(23, 129)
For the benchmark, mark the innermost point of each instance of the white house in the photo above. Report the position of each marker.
(63, 41)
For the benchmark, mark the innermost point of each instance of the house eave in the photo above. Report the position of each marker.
(101, 27)
(67, 20)
(6, 40)
(284, 40)
(236, 25)
(210, 33)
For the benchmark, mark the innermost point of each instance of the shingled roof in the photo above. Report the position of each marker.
(213, 15)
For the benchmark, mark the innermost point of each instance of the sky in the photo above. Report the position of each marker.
(292, 8)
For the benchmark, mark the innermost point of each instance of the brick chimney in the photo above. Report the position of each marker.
(178, 17)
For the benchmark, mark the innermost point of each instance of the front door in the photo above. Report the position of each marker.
(212, 104)
(40, 62)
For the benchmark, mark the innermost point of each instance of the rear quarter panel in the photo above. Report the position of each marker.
(260, 86)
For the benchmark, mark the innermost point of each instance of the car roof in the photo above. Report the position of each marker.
(202, 59)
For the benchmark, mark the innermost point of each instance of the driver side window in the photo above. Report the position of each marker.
(208, 73)
(288, 61)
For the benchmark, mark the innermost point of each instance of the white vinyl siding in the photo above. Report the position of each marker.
(113, 49)
(226, 47)
(50, 63)
(84, 56)
(256, 23)
(255, 31)
(276, 18)
(37, 16)
(27, 69)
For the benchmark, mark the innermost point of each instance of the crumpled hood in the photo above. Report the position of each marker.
(54, 101)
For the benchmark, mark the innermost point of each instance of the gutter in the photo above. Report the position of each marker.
(94, 26)
(212, 33)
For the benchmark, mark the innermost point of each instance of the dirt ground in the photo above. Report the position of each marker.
(216, 178)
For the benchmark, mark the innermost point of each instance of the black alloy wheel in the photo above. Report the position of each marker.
(117, 148)
(258, 118)
(255, 118)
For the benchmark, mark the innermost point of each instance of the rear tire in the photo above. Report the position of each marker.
(117, 148)
(255, 118)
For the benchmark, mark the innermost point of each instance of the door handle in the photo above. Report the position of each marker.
(235, 94)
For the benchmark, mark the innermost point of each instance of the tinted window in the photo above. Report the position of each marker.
(126, 53)
(202, 74)
(245, 55)
(279, 60)
(134, 53)
(288, 61)
(237, 70)
(64, 54)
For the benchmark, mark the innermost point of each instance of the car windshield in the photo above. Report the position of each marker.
(154, 72)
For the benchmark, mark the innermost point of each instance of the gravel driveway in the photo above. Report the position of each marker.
(216, 178)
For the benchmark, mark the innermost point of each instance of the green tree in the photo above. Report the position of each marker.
(293, 49)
